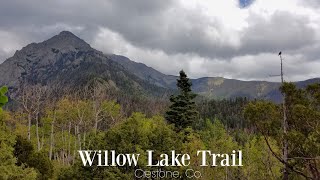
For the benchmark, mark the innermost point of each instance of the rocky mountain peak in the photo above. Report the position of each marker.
(66, 33)
(41, 58)
(66, 39)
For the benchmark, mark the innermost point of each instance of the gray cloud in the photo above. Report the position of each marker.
(203, 38)
(311, 3)
(283, 31)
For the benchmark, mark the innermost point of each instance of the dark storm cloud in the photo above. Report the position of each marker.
(154, 25)
(170, 30)
(136, 20)
(113, 13)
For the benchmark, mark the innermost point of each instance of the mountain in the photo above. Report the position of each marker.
(67, 60)
(70, 62)
(146, 73)
(211, 87)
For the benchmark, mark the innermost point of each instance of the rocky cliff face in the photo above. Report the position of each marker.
(39, 60)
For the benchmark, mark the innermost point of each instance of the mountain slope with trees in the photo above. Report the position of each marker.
(67, 61)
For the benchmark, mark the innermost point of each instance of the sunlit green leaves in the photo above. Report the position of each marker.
(264, 115)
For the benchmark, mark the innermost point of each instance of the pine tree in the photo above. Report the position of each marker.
(182, 112)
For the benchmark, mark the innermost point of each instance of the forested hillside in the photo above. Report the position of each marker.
(41, 137)
(64, 96)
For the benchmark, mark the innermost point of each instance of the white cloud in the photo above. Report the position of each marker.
(9, 44)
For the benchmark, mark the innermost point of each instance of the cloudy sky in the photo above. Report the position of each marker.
(231, 38)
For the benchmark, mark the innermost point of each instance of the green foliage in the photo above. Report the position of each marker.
(182, 112)
(3, 97)
(302, 112)
(78, 171)
(135, 135)
(22, 150)
(265, 116)
(93, 123)
(216, 139)
(26, 155)
(259, 161)
(138, 134)
(215, 136)
(8, 167)
(228, 111)
(111, 111)
(41, 162)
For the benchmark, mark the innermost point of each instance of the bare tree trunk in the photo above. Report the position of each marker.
(96, 125)
(51, 135)
(75, 145)
(79, 137)
(84, 139)
(285, 143)
(37, 132)
(29, 126)
(63, 147)
(69, 143)
(42, 140)
(285, 129)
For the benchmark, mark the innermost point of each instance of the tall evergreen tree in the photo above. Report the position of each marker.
(182, 112)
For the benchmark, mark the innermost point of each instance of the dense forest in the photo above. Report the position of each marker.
(41, 135)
